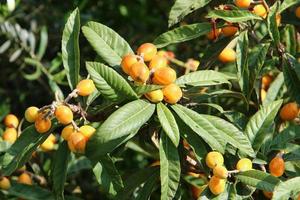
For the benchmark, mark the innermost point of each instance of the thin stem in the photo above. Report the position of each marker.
(71, 95)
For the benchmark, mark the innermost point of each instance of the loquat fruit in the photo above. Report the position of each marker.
(67, 131)
(260, 10)
(297, 12)
(25, 178)
(216, 185)
(42, 125)
(4, 183)
(244, 164)
(227, 55)
(127, 62)
(11, 121)
(164, 76)
(64, 114)
(263, 94)
(147, 51)
(213, 159)
(267, 194)
(196, 191)
(155, 96)
(266, 81)
(229, 30)
(31, 114)
(213, 34)
(289, 111)
(139, 72)
(242, 3)
(158, 62)
(77, 142)
(10, 135)
(277, 166)
(220, 172)
(87, 131)
(85, 87)
(47, 145)
(172, 93)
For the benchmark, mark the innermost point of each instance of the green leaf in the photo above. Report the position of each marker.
(136, 180)
(148, 187)
(272, 24)
(231, 134)
(169, 167)
(142, 89)
(109, 83)
(242, 63)
(259, 124)
(20, 152)
(200, 125)
(282, 139)
(288, 37)
(233, 16)
(181, 8)
(287, 3)
(258, 179)
(286, 189)
(30, 192)
(79, 164)
(276, 90)
(182, 33)
(119, 127)
(59, 170)
(43, 42)
(168, 123)
(70, 48)
(207, 195)
(108, 44)
(107, 175)
(292, 80)
(257, 59)
(204, 78)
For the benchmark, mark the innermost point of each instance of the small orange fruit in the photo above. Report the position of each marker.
(289, 111)
(4, 183)
(260, 10)
(147, 51)
(31, 114)
(297, 12)
(64, 114)
(85, 87)
(220, 172)
(213, 159)
(127, 62)
(11, 121)
(244, 164)
(155, 96)
(213, 34)
(42, 125)
(67, 131)
(158, 62)
(164, 76)
(266, 81)
(242, 3)
(277, 166)
(87, 131)
(10, 135)
(172, 93)
(216, 185)
(227, 55)
(196, 191)
(139, 72)
(25, 178)
(229, 30)
(267, 194)
(263, 94)
(77, 142)
(278, 19)
(47, 145)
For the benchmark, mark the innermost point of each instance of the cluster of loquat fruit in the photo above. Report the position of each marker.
(10, 134)
(152, 67)
(62, 111)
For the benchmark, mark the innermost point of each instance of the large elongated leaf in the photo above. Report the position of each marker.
(276, 90)
(182, 8)
(70, 48)
(291, 69)
(108, 44)
(258, 125)
(109, 83)
(282, 139)
(200, 125)
(204, 78)
(107, 175)
(169, 167)
(233, 16)
(119, 127)
(284, 190)
(242, 63)
(148, 187)
(30, 192)
(272, 23)
(59, 170)
(231, 134)
(20, 152)
(289, 39)
(135, 181)
(181, 34)
(168, 123)
(258, 179)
